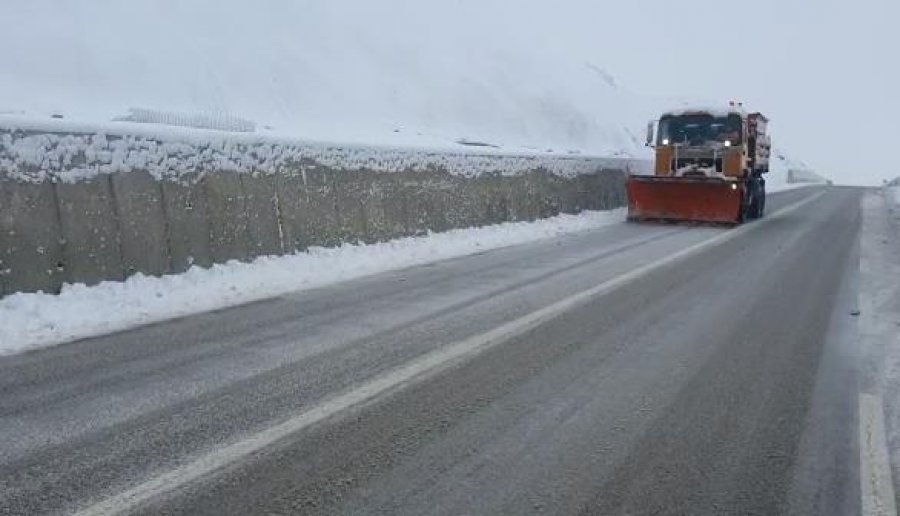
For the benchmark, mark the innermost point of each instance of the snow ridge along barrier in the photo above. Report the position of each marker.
(86, 207)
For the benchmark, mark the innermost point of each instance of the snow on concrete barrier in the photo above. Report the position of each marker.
(87, 204)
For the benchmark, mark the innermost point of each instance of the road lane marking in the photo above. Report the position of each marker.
(877, 487)
(420, 368)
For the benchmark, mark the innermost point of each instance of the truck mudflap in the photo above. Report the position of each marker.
(692, 199)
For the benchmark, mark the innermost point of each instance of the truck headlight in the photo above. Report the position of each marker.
(728, 143)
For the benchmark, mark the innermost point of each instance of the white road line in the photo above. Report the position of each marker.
(418, 369)
(877, 487)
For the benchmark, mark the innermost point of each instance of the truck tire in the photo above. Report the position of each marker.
(757, 205)
(755, 212)
(762, 200)
(746, 213)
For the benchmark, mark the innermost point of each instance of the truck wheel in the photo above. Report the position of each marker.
(749, 210)
(762, 202)
(757, 199)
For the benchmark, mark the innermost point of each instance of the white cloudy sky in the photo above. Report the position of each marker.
(824, 70)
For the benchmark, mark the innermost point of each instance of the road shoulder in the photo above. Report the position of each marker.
(879, 333)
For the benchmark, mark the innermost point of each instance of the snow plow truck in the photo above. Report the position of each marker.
(708, 167)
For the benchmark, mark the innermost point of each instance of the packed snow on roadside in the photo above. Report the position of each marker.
(893, 191)
(36, 320)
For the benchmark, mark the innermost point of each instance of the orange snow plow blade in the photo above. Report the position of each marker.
(684, 199)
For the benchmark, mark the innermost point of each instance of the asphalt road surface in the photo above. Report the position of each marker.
(635, 369)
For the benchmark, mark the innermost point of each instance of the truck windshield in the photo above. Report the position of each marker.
(699, 129)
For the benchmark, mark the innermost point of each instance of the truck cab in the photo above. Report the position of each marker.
(727, 144)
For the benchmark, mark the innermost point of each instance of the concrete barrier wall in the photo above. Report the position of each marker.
(798, 175)
(107, 226)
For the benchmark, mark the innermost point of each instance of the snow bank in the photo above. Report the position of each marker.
(33, 150)
(35, 320)
(893, 191)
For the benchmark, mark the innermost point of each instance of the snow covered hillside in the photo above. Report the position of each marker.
(395, 72)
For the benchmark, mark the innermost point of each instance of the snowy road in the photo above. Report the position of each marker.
(608, 372)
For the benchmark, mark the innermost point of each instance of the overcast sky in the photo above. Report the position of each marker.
(825, 71)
